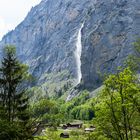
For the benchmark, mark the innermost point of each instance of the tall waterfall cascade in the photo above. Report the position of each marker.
(78, 52)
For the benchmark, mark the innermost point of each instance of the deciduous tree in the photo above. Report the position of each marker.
(118, 107)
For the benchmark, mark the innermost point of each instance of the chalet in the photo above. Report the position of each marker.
(74, 125)
(64, 135)
(37, 129)
(92, 126)
(64, 127)
(89, 129)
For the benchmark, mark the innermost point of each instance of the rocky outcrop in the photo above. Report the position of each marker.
(108, 35)
(47, 38)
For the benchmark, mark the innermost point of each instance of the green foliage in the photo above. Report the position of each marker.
(51, 135)
(118, 107)
(53, 112)
(55, 135)
(133, 61)
(78, 108)
(47, 111)
(14, 115)
(83, 112)
(43, 106)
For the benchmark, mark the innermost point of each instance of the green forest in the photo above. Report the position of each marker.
(114, 112)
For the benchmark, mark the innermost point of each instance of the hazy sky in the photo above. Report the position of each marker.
(12, 12)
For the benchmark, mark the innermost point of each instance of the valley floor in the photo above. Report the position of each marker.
(72, 133)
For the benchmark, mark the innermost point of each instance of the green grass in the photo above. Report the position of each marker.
(75, 134)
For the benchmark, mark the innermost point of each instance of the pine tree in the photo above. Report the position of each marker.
(13, 100)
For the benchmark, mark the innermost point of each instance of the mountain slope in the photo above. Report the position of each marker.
(52, 35)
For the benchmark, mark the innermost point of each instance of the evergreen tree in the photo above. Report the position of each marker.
(13, 102)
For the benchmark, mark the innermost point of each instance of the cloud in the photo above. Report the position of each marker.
(4, 27)
(2, 24)
(13, 12)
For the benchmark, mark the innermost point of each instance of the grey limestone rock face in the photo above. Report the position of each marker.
(108, 35)
(46, 39)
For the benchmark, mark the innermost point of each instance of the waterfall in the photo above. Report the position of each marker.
(78, 52)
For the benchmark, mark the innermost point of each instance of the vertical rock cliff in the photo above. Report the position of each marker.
(108, 37)
(76, 39)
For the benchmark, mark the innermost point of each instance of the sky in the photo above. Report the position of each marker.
(12, 12)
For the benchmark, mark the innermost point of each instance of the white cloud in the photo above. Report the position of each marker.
(2, 24)
(12, 12)
(4, 27)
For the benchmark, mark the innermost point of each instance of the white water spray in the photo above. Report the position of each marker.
(78, 54)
